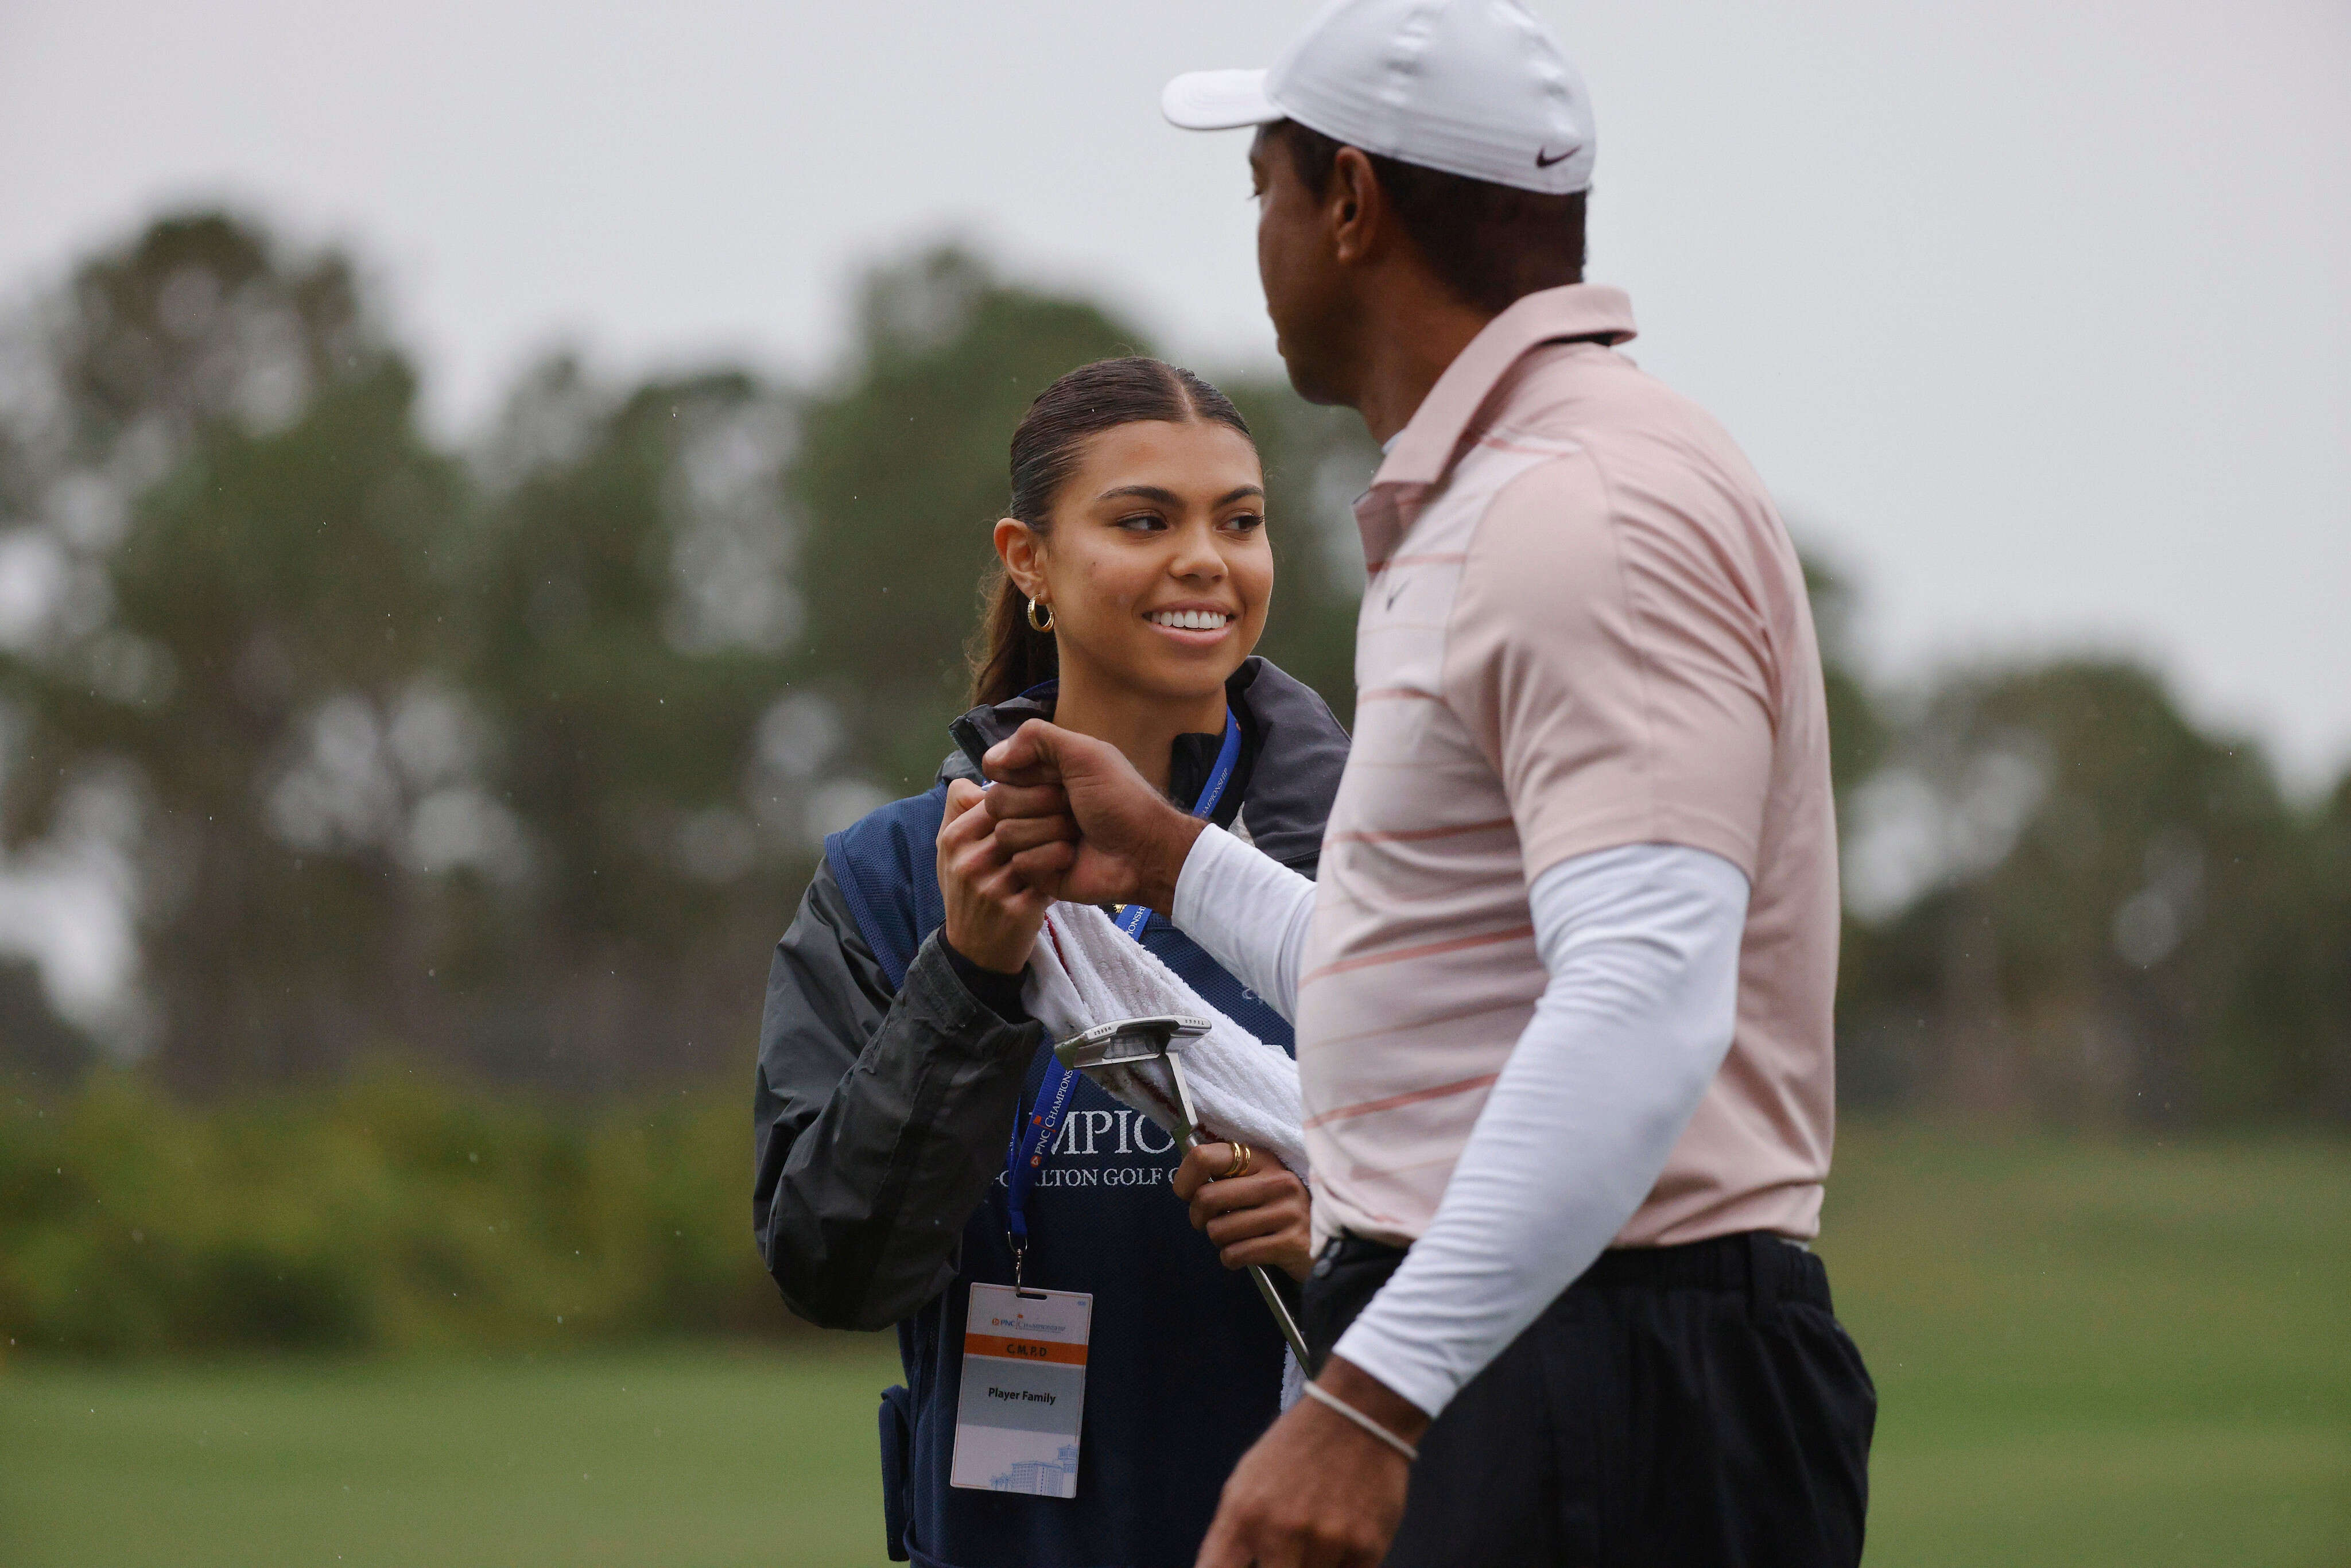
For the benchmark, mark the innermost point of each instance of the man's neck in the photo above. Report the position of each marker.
(1143, 729)
(1405, 355)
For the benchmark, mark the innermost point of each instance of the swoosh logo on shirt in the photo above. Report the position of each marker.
(1544, 163)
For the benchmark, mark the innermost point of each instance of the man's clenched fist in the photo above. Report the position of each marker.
(1072, 816)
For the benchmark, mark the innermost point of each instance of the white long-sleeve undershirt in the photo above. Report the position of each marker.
(1249, 912)
(1641, 945)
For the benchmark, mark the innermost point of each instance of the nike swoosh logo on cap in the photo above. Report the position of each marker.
(1544, 163)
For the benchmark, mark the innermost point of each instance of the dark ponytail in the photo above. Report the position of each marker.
(1007, 655)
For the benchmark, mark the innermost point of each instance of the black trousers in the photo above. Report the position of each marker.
(1696, 1405)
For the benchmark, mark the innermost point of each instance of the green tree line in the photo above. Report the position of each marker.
(512, 753)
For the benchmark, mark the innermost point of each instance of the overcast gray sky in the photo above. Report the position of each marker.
(2036, 316)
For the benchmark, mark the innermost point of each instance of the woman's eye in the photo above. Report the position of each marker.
(1142, 523)
(1243, 522)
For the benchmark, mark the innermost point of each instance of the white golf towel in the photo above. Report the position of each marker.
(1086, 972)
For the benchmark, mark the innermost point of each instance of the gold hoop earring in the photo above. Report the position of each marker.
(1044, 625)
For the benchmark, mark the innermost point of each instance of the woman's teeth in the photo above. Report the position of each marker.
(1190, 620)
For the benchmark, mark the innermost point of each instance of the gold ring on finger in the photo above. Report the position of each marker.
(1241, 1166)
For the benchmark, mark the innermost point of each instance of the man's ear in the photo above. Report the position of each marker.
(1356, 207)
(1023, 554)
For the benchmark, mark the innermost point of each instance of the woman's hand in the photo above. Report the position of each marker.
(993, 917)
(1261, 1216)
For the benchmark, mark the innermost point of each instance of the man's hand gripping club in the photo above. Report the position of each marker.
(1074, 819)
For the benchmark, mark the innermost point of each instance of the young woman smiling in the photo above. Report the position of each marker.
(896, 1063)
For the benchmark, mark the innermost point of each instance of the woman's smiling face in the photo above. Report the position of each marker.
(1156, 566)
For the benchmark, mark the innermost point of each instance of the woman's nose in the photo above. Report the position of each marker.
(1196, 556)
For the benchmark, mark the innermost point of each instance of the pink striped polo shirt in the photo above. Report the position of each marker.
(1585, 627)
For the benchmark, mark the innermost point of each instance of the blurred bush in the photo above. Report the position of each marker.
(395, 1211)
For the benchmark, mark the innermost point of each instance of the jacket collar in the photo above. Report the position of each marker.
(1424, 451)
(984, 727)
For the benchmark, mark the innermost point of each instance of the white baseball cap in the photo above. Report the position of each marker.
(1476, 87)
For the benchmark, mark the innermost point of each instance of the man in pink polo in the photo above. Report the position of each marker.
(1564, 990)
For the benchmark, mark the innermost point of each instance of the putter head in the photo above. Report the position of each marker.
(1128, 1040)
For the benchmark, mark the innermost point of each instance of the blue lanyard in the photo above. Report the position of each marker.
(1033, 1138)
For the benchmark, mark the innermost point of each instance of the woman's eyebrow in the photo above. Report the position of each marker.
(1170, 498)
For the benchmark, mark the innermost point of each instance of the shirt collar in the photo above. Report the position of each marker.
(1424, 449)
(1422, 452)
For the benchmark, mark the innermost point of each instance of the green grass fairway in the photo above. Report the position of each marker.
(2100, 1353)
(682, 1460)
(2088, 1355)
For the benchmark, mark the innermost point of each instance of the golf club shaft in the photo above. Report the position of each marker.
(1280, 1310)
(1265, 1286)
